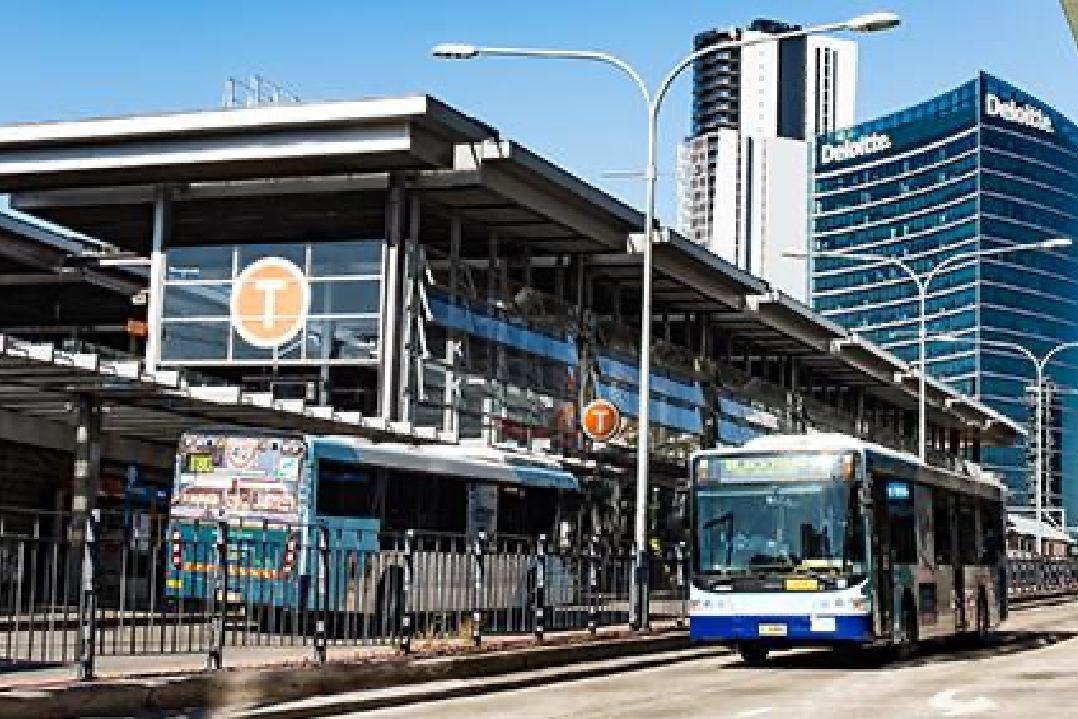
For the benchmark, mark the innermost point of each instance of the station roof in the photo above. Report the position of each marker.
(38, 380)
(98, 177)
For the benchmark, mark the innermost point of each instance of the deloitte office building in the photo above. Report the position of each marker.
(982, 166)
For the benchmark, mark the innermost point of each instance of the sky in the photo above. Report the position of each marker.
(67, 59)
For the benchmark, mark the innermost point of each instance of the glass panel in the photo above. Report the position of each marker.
(199, 263)
(345, 297)
(342, 339)
(194, 340)
(182, 301)
(346, 258)
(294, 253)
(243, 351)
(292, 349)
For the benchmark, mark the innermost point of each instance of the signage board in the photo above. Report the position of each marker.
(600, 420)
(269, 302)
(851, 149)
(1011, 111)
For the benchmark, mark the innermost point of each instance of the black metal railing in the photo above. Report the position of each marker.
(73, 589)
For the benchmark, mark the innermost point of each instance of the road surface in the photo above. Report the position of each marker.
(1032, 671)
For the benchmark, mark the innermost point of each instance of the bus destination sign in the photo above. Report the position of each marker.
(768, 467)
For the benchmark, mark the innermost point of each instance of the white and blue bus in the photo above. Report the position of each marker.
(827, 540)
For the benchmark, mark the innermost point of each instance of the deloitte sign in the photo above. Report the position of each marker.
(1011, 111)
(851, 149)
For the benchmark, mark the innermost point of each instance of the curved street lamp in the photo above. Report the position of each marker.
(1040, 365)
(871, 22)
(922, 282)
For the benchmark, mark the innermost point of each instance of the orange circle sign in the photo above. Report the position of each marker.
(269, 303)
(601, 420)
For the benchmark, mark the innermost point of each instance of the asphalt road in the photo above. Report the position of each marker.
(1031, 670)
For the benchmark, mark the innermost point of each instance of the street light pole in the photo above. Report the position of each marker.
(1040, 365)
(922, 284)
(872, 22)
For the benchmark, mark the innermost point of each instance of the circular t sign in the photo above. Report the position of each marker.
(269, 303)
(601, 420)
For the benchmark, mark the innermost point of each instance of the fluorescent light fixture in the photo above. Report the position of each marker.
(1056, 242)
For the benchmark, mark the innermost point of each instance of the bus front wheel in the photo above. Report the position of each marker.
(753, 654)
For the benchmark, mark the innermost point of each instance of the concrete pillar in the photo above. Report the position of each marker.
(408, 381)
(159, 241)
(391, 304)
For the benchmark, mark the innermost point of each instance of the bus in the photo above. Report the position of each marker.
(286, 501)
(827, 540)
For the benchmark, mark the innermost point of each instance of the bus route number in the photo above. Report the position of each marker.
(200, 463)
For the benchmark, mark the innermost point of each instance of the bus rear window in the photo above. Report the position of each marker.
(344, 490)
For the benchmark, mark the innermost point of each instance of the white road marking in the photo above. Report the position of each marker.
(755, 712)
(950, 705)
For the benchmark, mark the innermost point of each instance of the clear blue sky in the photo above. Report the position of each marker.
(66, 59)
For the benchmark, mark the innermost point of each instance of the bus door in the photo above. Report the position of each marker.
(965, 554)
(882, 558)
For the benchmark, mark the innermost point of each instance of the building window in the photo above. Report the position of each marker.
(345, 283)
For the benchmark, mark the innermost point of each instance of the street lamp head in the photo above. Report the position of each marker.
(1057, 242)
(873, 22)
(454, 51)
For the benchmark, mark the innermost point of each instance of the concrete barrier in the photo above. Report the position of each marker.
(239, 687)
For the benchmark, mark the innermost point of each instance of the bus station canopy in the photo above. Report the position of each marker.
(99, 177)
(39, 381)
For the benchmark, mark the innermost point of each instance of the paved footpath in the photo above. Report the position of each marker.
(1032, 672)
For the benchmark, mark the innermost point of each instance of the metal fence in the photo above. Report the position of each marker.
(1029, 578)
(73, 589)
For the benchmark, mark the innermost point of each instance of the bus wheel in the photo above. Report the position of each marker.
(908, 647)
(984, 629)
(753, 654)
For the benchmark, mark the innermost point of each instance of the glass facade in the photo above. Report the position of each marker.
(979, 167)
(342, 324)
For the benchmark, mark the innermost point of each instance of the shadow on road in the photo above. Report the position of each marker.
(929, 652)
(10, 667)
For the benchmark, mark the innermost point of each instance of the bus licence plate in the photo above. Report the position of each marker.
(772, 630)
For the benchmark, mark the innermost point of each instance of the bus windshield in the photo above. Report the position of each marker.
(238, 478)
(751, 520)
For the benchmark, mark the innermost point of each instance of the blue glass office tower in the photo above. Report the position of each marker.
(982, 166)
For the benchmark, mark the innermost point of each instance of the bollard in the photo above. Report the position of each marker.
(681, 558)
(407, 627)
(219, 600)
(593, 584)
(477, 613)
(540, 587)
(323, 592)
(88, 603)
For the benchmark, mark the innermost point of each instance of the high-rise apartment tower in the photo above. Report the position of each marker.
(742, 175)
